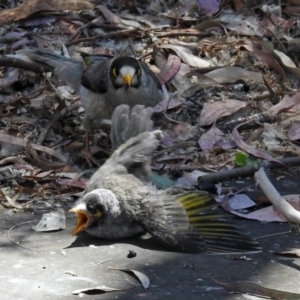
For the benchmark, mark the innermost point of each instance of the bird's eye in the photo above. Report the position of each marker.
(97, 214)
(138, 72)
(114, 71)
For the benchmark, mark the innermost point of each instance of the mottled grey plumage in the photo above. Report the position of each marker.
(127, 124)
(118, 203)
(100, 85)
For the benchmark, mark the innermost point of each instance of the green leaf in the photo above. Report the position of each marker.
(244, 159)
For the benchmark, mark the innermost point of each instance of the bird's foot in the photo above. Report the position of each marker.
(91, 160)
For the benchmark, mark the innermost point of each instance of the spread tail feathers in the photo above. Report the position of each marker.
(127, 124)
(68, 69)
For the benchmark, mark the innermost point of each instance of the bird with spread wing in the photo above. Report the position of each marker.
(119, 200)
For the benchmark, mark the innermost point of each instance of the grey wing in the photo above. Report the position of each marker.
(151, 87)
(166, 220)
(94, 88)
(189, 222)
(127, 124)
(66, 68)
(152, 77)
(131, 159)
(96, 76)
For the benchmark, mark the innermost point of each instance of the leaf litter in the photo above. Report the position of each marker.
(227, 73)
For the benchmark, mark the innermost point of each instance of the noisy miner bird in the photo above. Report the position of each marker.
(120, 202)
(103, 84)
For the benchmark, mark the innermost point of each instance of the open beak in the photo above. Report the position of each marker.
(83, 220)
(127, 79)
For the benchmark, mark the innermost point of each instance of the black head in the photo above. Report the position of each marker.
(125, 71)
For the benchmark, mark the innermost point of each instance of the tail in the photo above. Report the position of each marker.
(127, 124)
(134, 142)
(219, 234)
(191, 224)
(66, 68)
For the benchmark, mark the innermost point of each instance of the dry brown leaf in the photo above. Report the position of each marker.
(266, 214)
(141, 277)
(208, 140)
(238, 4)
(162, 106)
(180, 81)
(81, 183)
(170, 69)
(241, 24)
(180, 132)
(145, 19)
(256, 289)
(44, 174)
(29, 7)
(14, 160)
(41, 162)
(274, 23)
(267, 58)
(187, 56)
(115, 19)
(12, 201)
(294, 131)
(214, 111)
(10, 139)
(231, 74)
(294, 2)
(292, 10)
(251, 150)
(295, 252)
(272, 129)
(285, 104)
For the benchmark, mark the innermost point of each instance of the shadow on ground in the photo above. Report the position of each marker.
(54, 264)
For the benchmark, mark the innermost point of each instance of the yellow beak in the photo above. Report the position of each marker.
(127, 79)
(83, 220)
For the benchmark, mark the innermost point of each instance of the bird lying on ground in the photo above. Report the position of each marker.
(104, 84)
(120, 202)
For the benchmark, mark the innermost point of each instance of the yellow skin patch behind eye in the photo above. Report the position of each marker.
(97, 214)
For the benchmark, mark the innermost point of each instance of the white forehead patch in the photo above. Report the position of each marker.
(127, 70)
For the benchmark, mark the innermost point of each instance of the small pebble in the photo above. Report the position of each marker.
(131, 254)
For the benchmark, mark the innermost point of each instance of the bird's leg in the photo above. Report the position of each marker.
(87, 151)
(88, 126)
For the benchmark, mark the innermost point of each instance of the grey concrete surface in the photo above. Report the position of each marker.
(47, 270)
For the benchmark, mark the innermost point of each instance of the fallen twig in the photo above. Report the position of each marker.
(249, 170)
(22, 64)
(99, 263)
(290, 213)
(57, 116)
(105, 35)
(17, 243)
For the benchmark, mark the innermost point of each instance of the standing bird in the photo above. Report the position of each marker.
(120, 202)
(104, 84)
